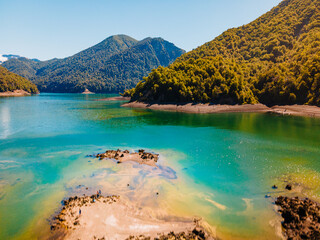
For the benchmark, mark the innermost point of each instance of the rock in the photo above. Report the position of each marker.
(301, 217)
(142, 156)
(289, 187)
(53, 227)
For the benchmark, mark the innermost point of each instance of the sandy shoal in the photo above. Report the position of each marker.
(119, 220)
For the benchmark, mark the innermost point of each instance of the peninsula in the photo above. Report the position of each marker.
(13, 85)
(273, 60)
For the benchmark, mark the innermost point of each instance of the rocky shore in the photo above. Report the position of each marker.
(68, 217)
(141, 157)
(301, 217)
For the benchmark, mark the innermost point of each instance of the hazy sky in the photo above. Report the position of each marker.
(46, 29)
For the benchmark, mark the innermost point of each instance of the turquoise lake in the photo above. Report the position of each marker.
(219, 166)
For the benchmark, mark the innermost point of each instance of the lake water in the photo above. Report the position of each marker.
(219, 166)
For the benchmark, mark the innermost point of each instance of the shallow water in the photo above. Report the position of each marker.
(216, 166)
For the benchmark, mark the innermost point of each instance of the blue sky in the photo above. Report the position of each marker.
(46, 29)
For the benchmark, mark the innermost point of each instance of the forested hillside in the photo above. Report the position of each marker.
(115, 64)
(10, 82)
(273, 60)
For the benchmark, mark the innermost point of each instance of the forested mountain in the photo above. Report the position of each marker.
(115, 64)
(10, 81)
(273, 60)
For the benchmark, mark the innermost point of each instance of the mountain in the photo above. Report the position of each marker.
(273, 60)
(10, 81)
(113, 65)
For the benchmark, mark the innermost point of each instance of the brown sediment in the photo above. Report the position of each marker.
(301, 217)
(295, 110)
(120, 98)
(141, 157)
(15, 93)
(113, 218)
(200, 108)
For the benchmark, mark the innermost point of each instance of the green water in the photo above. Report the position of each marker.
(218, 166)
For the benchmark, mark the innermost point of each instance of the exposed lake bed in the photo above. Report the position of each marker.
(289, 110)
(217, 167)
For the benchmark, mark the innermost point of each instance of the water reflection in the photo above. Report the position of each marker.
(264, 125)
(4, 122)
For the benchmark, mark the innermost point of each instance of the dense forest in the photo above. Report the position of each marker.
(10, 81)
(113, 65)
(273, 60)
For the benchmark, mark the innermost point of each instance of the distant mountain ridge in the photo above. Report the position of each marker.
(272, 60)
(6, 57)
(113, 65)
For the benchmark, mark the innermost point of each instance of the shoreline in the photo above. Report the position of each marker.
(15, 93)
(293, 110)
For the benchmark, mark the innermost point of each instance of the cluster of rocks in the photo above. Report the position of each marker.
(301, 217)
(146, 155)
(191, 235)
(288, 187)
(68, 217)
(116, 154)
(141, 156)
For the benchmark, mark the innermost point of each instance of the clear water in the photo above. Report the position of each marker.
(216, 166)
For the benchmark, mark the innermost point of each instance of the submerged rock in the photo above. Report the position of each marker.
(301, 217)
(289, 187)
